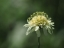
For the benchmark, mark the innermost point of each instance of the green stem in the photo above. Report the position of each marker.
(38, 42)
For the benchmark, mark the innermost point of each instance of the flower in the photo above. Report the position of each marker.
(39, 20)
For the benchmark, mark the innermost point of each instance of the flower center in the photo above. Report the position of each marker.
(38, 20)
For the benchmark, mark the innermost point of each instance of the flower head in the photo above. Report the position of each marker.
(37, 20)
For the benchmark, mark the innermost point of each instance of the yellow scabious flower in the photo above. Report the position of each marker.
(37, 20)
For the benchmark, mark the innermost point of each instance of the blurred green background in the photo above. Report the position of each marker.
(13, 15)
